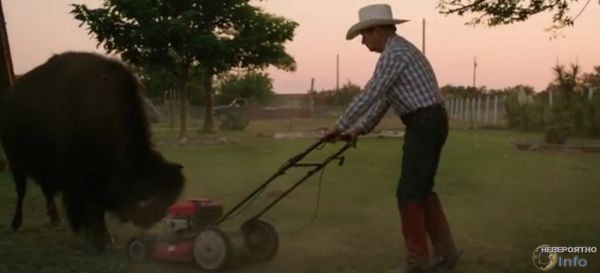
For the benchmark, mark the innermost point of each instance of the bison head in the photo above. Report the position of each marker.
(154, 192)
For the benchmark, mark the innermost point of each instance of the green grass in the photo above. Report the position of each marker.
(501, 203)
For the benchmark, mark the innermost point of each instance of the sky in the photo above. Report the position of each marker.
(522, 53)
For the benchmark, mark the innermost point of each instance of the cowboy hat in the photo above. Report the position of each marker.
(373, 15)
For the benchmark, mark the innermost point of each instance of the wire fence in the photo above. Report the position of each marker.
(480, 110)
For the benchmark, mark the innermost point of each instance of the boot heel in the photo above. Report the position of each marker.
(448, 263)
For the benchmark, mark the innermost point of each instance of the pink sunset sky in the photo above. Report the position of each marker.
(522, 53)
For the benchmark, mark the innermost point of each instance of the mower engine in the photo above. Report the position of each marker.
(192, 214)
(180, 227)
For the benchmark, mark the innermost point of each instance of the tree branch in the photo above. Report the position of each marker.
(461, 7)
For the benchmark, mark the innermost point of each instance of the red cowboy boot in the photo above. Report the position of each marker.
(415, 237)
(440, 235)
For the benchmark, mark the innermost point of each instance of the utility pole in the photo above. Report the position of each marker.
(472, 100)
(7, 76)
(337, 72)
(423, 49)
(475, 71)
(311, 97)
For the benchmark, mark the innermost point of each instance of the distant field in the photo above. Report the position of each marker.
(501, 202)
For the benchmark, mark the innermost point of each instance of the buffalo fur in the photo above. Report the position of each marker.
(77, 125)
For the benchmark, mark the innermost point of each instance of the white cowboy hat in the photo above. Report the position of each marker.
(373, 15)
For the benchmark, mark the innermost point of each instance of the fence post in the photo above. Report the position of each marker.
(311, 97)
(465, 109)
(479, 109)
(487, 109)
(460, 109)
(550, 98)
(591, 93)
(456, 107)
(495, 110)
(470, 112)
(502, 110)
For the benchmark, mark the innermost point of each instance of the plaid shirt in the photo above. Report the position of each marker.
(403, 79)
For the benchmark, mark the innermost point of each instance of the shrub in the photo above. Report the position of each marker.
(557, 134)
(235, 120)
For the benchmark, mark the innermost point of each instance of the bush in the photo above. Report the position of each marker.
(234, 120)
(580, 117)
(3, 161)
(561, 123)
(591, 118)
(526, 116)
(341, 97)
(557, 134)
(254, 86)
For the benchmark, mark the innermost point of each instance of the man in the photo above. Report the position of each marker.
(404, 80)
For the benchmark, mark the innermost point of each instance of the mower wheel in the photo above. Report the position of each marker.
(261, 239)
(139, 249)
(212, 249)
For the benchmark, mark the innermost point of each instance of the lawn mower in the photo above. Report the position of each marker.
(191, 229)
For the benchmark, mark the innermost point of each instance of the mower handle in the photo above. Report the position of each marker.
(342, 137)
(289, 164)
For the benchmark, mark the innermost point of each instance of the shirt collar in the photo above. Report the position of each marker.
(390, 40)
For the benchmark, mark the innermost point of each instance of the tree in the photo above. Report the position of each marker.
(566, 84)
(502, 12)
(592, 80)
(566, 115)
(339, 97)
(254, 86)
(591, 83)
(156, 81)
(160, 83)
(460, 91)
(190, 38)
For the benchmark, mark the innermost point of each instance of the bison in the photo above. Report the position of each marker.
(77, 125)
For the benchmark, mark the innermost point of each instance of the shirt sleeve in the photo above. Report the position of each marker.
(386, 73)
(374, 115)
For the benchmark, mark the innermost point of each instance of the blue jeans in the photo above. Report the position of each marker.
(425, 135)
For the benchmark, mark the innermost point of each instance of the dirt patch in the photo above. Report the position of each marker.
(217, 140)
(584, 148)
(297, 254)
(319, 133)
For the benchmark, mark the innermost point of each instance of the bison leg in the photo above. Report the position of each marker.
(52, 210)
(49, 192)
(97, 232)
(84, 215)
(21, 187)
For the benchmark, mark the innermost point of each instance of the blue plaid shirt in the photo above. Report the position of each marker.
(403, 79)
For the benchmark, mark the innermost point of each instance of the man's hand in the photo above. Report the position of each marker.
(334, 134)
(353, 136)
(331, 135)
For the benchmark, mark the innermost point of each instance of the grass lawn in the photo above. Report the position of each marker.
(501, 202)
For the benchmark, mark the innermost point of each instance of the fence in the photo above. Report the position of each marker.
(481, 110)
(490, 109)
(484, 110)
